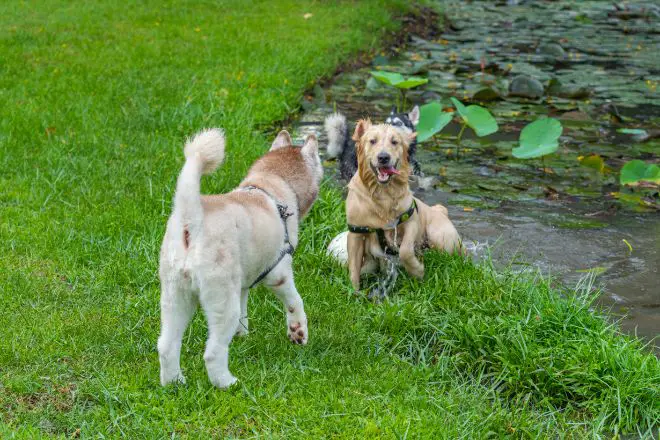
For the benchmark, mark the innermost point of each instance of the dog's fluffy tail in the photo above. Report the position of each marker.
(204, 153)
(336, 129)
(338, 248)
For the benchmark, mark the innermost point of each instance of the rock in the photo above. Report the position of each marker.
(553, 50)
(526, 87)
(486, 94)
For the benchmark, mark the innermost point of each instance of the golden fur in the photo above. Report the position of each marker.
(378, 205)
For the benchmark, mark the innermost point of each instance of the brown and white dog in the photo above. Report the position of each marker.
(379, 198)
(217, 247)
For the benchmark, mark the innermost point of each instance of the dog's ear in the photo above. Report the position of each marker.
(393, 110)
(414, 115)
(283, 139)
(311, 146)
(360, 129)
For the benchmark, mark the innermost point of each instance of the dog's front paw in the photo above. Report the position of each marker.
(242, 329)
(298, 333)
(223, 381)
(417, 271)
(166, 379)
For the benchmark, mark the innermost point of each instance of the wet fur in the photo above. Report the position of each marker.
(373, 204)
(343, 147)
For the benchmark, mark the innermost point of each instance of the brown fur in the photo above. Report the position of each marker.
(377, 205)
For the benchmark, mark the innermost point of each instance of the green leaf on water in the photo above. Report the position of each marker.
(633, 131)
(389, 78)
(397, 80)
(636, 171)
(431, 120)
(476, 117)
(411, 82)
(593, 161)
(538, 139)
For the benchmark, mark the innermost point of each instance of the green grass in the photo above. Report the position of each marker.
(97, 101)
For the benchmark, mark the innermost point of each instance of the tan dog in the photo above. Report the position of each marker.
(379, 198)
(217, 247)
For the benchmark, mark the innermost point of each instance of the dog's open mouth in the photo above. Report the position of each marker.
(383, 174)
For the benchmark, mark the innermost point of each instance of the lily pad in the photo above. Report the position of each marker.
(476, 117)
(636, 171)
(593, 161)
(539, 139)
(389, 78)
(638, 134)
(431, 120)
(412, 82)
(397, 80)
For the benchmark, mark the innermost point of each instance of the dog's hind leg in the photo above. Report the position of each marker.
(243, 320)
(441, 233)
(281, 281)
(177, 306)
(220, 300)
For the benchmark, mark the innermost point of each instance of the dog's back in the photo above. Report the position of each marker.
(217, 247)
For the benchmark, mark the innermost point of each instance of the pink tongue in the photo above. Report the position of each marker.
(389, 170)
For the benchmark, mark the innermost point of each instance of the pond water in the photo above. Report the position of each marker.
(594, 65)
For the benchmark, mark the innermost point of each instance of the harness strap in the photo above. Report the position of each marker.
(288, 248)
(380, 233)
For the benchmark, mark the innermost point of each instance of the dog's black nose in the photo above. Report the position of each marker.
(383, 158)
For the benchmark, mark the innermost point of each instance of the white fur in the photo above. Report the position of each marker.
(204, 153)
(210, 256)
(335, 128)
(414, 116)
(338, 248)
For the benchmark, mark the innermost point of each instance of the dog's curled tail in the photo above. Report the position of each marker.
(204, 153)
(337, 132)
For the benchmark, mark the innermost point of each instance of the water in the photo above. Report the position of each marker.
(562, 218)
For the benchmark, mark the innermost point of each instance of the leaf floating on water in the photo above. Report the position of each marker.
(389, 78)
(431, 120)
(397, 80)
(539, 139)
(638, 134)
(411, 82)
(477, 118)
(593, 161)
(637, 171)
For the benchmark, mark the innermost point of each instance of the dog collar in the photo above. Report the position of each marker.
(405, 216)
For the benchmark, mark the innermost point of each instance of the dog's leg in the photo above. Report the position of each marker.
(407, 251)
(243, 321)
(280, 280)
(221, 303)
(177, 306)
(355, 254)
(441, 233)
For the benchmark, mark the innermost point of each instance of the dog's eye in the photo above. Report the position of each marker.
(395, 142)
(397, 123)
(372, 141)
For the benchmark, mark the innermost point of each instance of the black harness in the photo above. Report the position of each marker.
(288, 248)
(380, 233)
